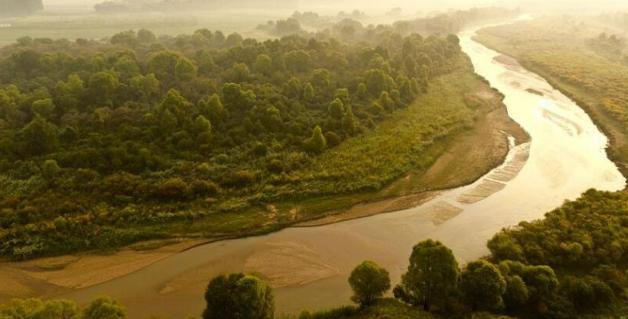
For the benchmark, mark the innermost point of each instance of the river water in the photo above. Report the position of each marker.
(309, 266)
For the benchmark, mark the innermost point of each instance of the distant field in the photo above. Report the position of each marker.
(96, 26)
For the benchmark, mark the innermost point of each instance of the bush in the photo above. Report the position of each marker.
(239, 179)
(172, 188)
(204, 188)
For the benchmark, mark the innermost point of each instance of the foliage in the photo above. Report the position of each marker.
(238, 296)
(149, 134)
(104, 308)
(432, 276)
(482, 286)
(101, 308)
(369, 282)
(383, 308)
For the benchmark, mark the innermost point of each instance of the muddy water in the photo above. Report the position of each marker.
(309, 266)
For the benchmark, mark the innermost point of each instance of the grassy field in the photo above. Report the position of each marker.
(96, 26)
(595, 81)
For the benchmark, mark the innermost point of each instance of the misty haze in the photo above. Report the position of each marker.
(291, 159)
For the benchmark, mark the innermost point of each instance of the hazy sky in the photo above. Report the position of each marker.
(411, 6)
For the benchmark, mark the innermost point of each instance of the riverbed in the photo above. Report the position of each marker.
(309, 266)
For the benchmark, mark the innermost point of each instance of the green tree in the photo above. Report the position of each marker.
(308, 92)
(104, 308)
(240, 72)
(237, 99)
(297, 61)
(516, 294)
(184, 70)
(317, 143)
(542, 283)
(43, 107)
(369, 282)
(212, 108)
(163, 65)
(238, 296)
(336, 109)
(432, 275)
(50, 169)
(343, 95)
(482, 286)
(321, 80)
(263, 64)
(39, 137)
(102, 87)
(145, 36)
(375, 81)
(234, 39)
(70, 93)
(145, 87)
(176, 104)
(127, 38)
(202, 125)
(348, 121)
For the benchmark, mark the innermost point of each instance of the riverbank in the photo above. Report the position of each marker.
(570, 66)
(468, 155)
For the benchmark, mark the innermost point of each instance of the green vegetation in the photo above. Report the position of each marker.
(432, 276)
(130, 140)
(571, 264)
(238, 296)
(369, 282)
(580, 60)
(101, 308)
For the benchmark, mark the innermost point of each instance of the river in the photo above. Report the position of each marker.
(310, 265)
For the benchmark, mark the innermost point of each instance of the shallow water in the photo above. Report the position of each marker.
(310, 265)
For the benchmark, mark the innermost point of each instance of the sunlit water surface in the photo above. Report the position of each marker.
(310, 266)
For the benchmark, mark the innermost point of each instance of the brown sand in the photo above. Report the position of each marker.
(56, 274)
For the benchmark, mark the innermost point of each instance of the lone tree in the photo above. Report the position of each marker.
(369, 282)
(432, 275)
(482, 286)
(238, 296)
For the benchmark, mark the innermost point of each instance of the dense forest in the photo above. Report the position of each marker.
(571, 264)
(99, 136)
(20, 7)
